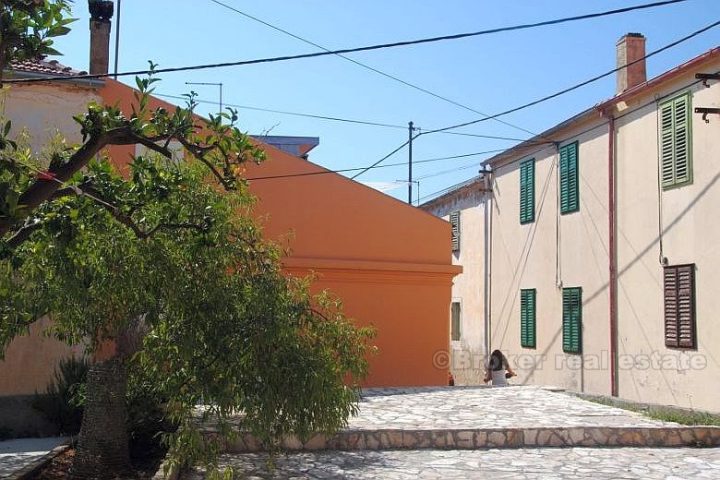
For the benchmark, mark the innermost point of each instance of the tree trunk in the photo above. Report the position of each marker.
(102, 451)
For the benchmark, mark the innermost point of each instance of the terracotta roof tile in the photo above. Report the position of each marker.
(42, 66)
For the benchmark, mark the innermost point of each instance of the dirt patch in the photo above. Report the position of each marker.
(144, 466)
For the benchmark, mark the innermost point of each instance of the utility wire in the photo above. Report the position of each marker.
(370, 167)
(445, 172)
(546, 98)
(387, 165)
(337, 119)
(578, 85)
(366, 66)
(367, 48)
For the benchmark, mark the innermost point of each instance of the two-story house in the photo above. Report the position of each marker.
(602, 259)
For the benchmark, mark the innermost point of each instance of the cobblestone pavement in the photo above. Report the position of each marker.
(17, 454)
(530, 464)
(482, 407)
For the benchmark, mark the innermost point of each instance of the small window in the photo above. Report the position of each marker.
(679, 288)
(455, 321)
(527, 191)
(527, 318)
(569, 189)
(455, 225)
(572, 320)
(675, 141)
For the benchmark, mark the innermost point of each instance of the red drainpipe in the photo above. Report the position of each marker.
(612, 254)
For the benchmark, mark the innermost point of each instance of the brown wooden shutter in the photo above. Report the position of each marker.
(671, 314)
(679, 293)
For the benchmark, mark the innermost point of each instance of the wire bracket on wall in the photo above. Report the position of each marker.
(706, 77)
(705, 111)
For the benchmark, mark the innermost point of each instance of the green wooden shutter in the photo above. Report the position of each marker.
(455, 225)
(527, 191)
(572, 320)
(569, 182)
(675, 141)
(527, 318)
(455, 321)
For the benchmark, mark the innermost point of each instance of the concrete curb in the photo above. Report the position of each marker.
(469, 439)
(38, 464)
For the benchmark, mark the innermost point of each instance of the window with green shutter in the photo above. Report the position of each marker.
(675, 141)
(572, 320)
(569, 175)
(527, 191)
(455, 321)
(527, 318)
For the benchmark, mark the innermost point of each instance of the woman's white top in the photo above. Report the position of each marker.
(498, 378)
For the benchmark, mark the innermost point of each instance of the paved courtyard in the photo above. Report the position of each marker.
(483, 407)
(476, 408)
(530, 464)
(19, 453)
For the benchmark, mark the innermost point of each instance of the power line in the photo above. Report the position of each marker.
(285, 112)
(578, 85)
(355, 169)
(337, 119)
(367, 48)
(370, 167)
(562, 92)
(366, 66)
(445, 172)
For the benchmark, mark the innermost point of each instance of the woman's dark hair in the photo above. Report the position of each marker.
(497, 360)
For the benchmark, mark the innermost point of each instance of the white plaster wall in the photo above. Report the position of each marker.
(541, 256)
(45, 110)
(691, 234)
(467, 355)
(30, 360)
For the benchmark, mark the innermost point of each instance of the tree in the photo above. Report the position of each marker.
(164, 276)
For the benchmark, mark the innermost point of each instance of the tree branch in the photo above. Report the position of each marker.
(23, 234)
(42, 189)
(199, 153)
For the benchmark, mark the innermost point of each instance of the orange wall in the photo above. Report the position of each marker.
(30, 361)
(387, 261)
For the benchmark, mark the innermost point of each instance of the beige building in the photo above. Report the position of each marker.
(465, 210)
(603, 260)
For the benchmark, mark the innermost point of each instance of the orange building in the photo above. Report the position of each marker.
(386, 260)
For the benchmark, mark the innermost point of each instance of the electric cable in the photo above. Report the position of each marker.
(366, 48)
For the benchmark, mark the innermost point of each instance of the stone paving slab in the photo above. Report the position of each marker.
(591, 436)
(18, 454)
(434, 408)
(482, 407)
(530, 464)
(479, 417)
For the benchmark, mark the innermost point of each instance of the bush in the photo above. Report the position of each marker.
(62, 403)
(146, 419)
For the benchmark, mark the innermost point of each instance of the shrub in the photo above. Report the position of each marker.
(62, 403)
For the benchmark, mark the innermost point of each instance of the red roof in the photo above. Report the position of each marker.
(44, 67)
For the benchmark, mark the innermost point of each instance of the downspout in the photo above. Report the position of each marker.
(488, 257)
(612, 255)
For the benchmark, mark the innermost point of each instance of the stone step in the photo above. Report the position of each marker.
(468, 439)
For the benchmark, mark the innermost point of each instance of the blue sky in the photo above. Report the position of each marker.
(489, 73)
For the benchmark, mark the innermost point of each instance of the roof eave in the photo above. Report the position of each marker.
(76, 81)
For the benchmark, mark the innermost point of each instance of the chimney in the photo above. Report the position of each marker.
(101, 11)
(630, 49)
